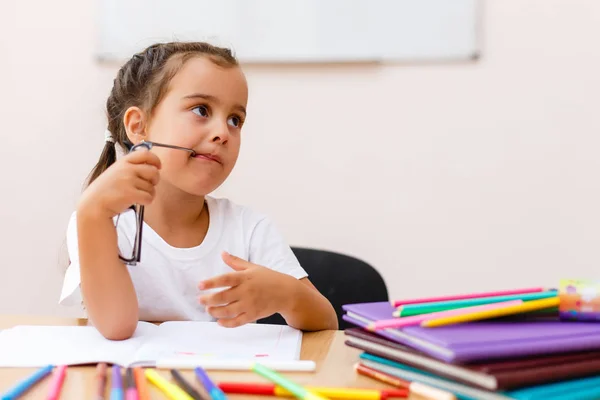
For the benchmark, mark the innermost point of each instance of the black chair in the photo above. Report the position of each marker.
(341, 279)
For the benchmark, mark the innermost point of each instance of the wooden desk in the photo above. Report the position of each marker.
(334, 361)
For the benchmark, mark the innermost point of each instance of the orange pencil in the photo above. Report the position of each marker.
(417, 388)
(140, 382)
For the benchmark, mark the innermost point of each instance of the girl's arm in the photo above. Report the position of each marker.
(106, 286)
(306, 308)
(254, 292)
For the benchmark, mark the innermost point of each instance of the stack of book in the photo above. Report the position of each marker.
(478, 349)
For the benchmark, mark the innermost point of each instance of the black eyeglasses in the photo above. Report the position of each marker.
(139, 209)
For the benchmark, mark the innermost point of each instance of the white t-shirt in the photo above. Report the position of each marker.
(166, 279)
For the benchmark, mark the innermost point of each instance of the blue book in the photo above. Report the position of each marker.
(575, 389)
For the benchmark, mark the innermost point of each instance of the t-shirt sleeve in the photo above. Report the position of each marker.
(268, 248)
(71, 294)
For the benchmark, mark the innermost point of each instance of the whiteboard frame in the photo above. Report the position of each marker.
(428, 31)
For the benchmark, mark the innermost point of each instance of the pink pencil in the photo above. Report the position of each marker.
(417, 319)
(399, 303)
(57, 383)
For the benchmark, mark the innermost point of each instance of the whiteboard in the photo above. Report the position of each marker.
(291, 31)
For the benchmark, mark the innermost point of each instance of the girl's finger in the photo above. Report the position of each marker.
(142, 198)
(143, 156)
(147, 172)
(144, 186)
(228, 311)
(226, 280)
(220, 298)
(240, 320)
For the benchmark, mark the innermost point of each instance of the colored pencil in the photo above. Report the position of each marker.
(213, 390)
(185, 385)
(269, 389)
(399, 303)
(297, 390)
(476, 316)
(57, 383)
(417, 309)
(417, 388)
(417, 319)
(27, 383)
(131, 392)
(101, 381)
(172, 391)
(140, 382)
(116, 390)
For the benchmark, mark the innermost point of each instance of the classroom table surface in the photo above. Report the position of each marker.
(334, 361)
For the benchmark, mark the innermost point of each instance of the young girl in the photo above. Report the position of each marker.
(202, 258)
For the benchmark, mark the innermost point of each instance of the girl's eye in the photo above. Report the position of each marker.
(201, 111)
(234, 121)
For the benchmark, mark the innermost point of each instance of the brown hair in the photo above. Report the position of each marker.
(142, 82)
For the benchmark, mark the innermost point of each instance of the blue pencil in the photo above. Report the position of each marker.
(212, 389)
(27, 383)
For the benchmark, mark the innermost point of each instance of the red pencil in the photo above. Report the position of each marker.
(269, 389)
(262, 389)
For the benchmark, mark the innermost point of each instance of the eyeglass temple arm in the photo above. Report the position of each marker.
(137, 241)
(149, 145)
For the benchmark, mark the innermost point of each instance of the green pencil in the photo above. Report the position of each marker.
(426, 308)
(295, 389)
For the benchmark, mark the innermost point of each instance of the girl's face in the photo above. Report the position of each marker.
(204, 109)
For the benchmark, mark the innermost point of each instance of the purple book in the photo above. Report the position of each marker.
(479, 341)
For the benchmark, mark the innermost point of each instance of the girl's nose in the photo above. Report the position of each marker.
(220, 134)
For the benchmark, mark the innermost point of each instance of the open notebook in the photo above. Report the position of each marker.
(169, 343)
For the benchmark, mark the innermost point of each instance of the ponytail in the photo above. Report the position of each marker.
(107, 158)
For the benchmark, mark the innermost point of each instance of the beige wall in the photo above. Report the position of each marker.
(446, 177)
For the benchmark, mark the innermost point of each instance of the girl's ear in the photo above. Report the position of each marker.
(134, 121)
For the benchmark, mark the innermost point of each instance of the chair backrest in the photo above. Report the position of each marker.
(341, 279)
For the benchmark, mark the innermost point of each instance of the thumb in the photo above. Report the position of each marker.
(234, 262)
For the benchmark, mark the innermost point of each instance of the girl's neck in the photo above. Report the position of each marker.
(179, 218)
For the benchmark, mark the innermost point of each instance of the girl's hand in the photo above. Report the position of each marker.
(128, 181)
(254, 292)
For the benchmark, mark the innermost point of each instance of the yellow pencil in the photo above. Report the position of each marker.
(298, 391)
(345, 393)
(172, 391)
(498, 312)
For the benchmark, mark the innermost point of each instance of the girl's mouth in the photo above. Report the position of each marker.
(209, 157)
